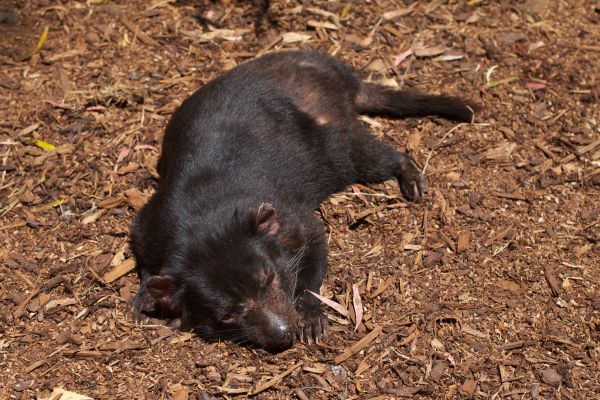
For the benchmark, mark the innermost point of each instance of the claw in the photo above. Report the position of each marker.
(313, 328)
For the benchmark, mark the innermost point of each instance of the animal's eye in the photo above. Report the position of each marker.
(228, 318)
(234, 314)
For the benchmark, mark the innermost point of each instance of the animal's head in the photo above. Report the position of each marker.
(237, 282)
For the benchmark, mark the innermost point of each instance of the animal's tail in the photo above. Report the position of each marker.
(380, 100)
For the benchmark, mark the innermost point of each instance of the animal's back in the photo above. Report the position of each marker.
(269, 126)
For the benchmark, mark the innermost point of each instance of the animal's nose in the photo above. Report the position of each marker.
(283, 329)
(282, 332)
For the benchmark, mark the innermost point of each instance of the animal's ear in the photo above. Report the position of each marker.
(165, 291)
(266, 220)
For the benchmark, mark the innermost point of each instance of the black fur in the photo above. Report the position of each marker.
(229, 243)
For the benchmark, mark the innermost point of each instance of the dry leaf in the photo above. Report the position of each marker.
(500, 152)
(135, 198)
(377, 65)
(468, 388)
(509, 285)
(414, 140)
(93, 217)
(437, 345)
(463, 242)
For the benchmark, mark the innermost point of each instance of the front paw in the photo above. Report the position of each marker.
(313, 325)
(412, 182)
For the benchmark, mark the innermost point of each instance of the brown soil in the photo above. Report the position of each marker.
(489, 288)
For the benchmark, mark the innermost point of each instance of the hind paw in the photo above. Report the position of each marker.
(143, 303)
(413, 183)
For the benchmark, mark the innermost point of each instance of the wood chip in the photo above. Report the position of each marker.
(552, 280)
(500, 235)
(60, 303)
(363, 214)
(295, 37)
(551, 377)
(322, 25)
(112, 202)
(585, 149)
(462, 243)
(39, 363)
(390, 280)
(274, 381)
(358, 346)
(474, 332)
(183, 337)
(144, 38)
(179, 391)
(517, 345)
(120, 270)
(62, 394)
(401, 12)
(22, 307)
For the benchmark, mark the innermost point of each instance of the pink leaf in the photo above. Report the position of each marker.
(536, 85)
(360, 195)
(124, 152)
(58, 105)
(358, 307)
(402, 57)
(95, 108)
(336, 306)
(145, 147)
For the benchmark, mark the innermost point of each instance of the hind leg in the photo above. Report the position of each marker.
(376, 162)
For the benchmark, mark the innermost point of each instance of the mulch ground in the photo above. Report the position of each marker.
(489, 288)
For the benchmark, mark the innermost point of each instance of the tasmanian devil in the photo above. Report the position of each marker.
(229, 244)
